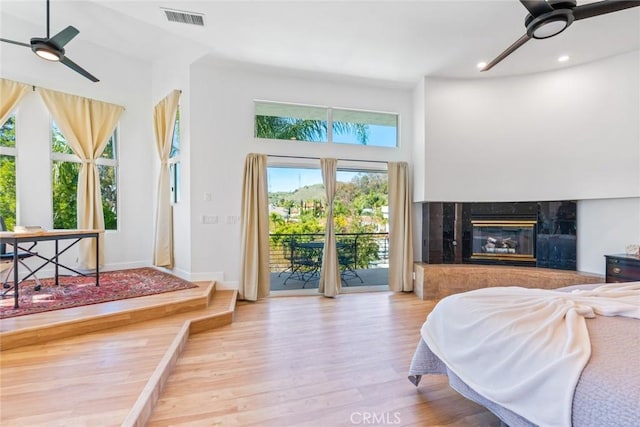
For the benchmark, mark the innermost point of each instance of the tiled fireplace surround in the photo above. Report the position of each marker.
(454, 260)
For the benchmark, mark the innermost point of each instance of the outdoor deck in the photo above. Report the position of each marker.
(370, 277)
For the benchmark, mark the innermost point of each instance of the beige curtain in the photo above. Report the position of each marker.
(254, 275)
(164, 119)
(10, 95)
(400, 228)
(329, 283)
(87, 125)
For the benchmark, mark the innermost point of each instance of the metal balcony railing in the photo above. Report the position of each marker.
(365, 250)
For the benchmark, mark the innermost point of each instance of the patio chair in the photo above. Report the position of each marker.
(347, 262)
(7, 258)
(306, 258)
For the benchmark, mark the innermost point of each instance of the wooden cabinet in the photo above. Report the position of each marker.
(622, 268)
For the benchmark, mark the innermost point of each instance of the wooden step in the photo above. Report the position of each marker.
(130, 353)
(143, 408)
(43, 327)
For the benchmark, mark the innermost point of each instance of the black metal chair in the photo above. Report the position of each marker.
(347, 262)
(7, 257)
(306, 258)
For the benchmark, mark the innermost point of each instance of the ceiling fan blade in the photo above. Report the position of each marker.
(78, 69)
(602, 7)
(64, 36)
(522, 40)
(15, 42)
(536, 7)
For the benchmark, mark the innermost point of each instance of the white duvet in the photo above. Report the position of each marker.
(524, 348)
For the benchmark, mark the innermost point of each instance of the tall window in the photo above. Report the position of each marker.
(323, 124)
(174, 161)
(65, 167)
(8, 171)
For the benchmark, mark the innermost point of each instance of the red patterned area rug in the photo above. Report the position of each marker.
(77, 291)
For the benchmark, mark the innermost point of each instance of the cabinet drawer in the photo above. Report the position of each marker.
(620, 270)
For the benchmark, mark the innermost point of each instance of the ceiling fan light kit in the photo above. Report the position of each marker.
(549, 24)
(43, 50)
(551, 17)
(52, 48)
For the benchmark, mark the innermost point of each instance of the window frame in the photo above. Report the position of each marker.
(174, 162)
(330, 123)
(100, 161)
(13, 152)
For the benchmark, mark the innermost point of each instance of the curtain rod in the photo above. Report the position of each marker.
(318, 158)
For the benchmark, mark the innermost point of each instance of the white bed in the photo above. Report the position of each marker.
(607, 391)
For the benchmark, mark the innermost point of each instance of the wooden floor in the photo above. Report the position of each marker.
(286, 361)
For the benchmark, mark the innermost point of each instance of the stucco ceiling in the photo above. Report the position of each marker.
(397, 41)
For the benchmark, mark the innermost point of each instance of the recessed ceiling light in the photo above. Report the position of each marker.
(563, 58)
(481, 65)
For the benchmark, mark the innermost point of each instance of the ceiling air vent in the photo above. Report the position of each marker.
(183, 17)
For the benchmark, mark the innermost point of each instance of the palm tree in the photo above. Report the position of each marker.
(272, 127)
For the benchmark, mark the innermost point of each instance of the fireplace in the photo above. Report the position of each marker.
(536, 234)
(505, 240)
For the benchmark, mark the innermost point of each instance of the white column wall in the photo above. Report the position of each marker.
(169, 75)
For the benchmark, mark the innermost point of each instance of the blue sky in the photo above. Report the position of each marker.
(288, 179)
(379, 136)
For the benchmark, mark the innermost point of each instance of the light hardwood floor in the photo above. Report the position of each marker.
(313, 361)
(286, 361)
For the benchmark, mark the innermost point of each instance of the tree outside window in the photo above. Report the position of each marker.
(8, 171)
(295, 122)
(174, 161)
(65, 168)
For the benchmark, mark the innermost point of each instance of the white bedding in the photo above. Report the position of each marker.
(524, 348)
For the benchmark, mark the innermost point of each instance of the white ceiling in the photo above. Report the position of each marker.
(397, 41)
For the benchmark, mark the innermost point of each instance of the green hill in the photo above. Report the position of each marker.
(309, 192)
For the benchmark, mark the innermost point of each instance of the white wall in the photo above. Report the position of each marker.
(569, 134)
(606, 226)
(123, 81)
(222, 117)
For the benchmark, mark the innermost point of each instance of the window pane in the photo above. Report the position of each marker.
(174, 178)
(8, 132)
(110, 149)
(58, 142)
(64, 179)
(175, 142)
(8, 190)
(109, 191)
(366, 128)
(291, 122)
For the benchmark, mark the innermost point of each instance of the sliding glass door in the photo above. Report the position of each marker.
(297, 221)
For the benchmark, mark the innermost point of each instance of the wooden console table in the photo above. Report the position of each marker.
(15, 239)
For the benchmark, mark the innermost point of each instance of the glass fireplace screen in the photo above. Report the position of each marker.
(504, 239)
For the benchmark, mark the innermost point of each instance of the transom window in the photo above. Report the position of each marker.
(325, 124)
